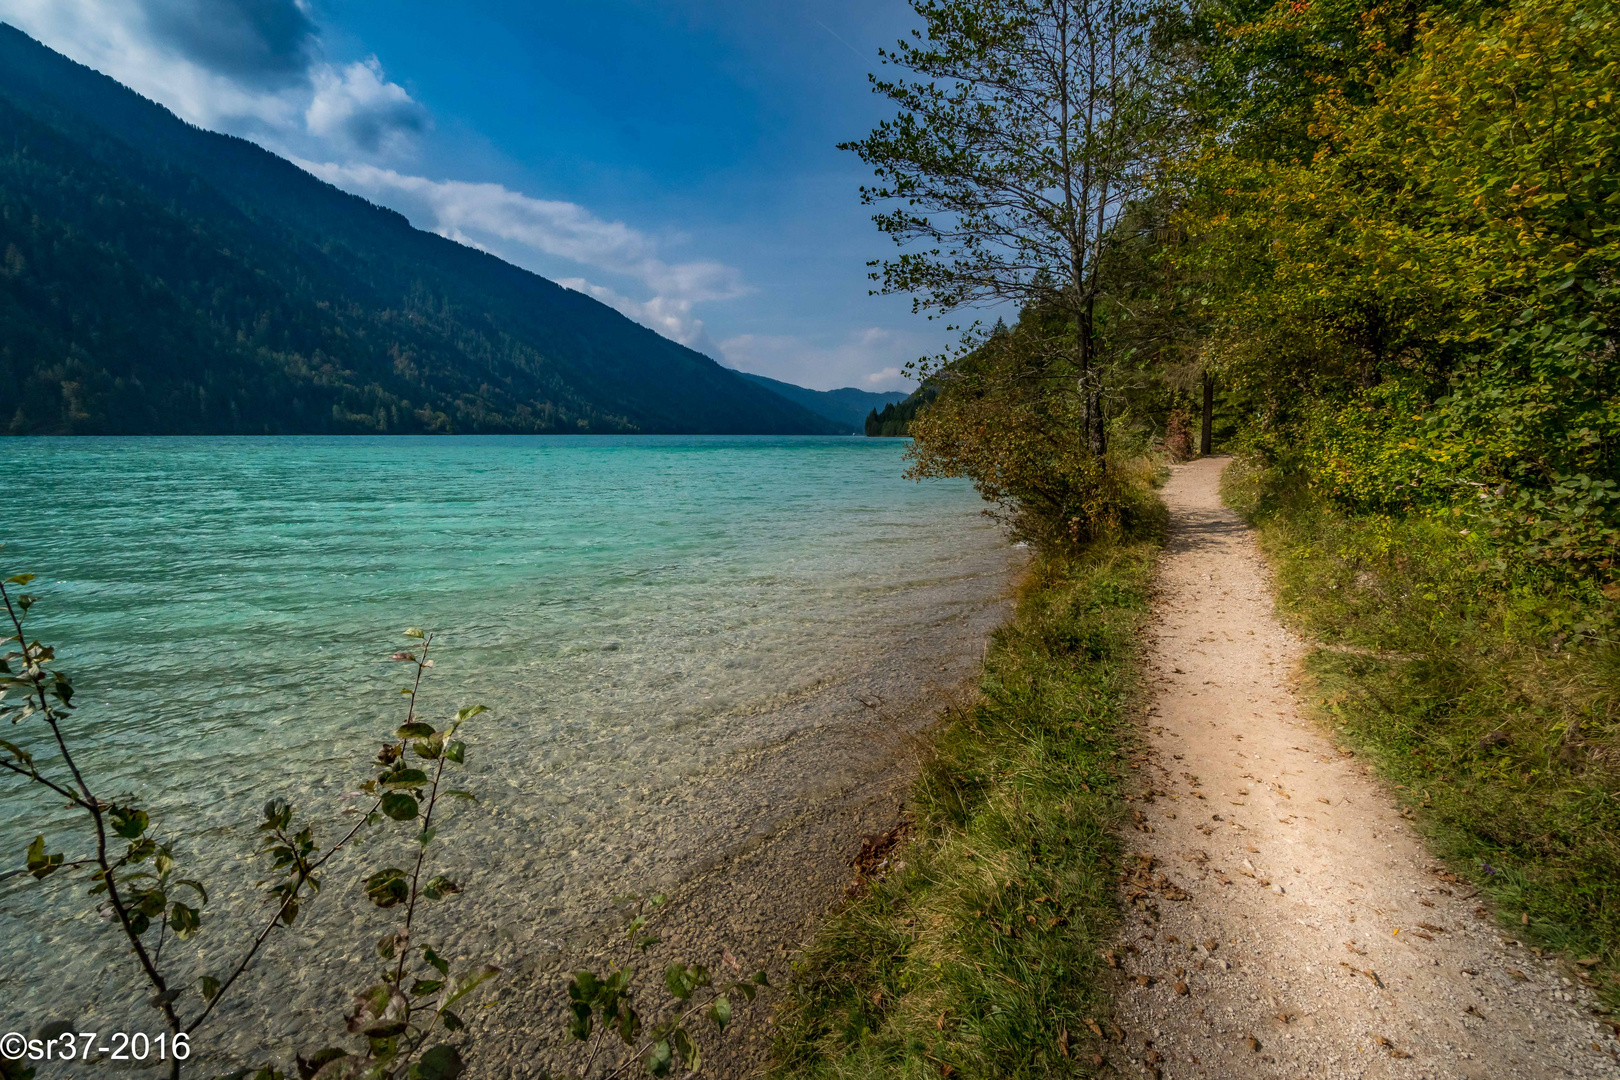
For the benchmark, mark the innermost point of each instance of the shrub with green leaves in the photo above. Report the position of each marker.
(402, 1018)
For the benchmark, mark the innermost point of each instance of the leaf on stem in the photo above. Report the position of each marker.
(467, 712)
(208, 986)
(399, 806)
(184, 921)
(128, 823)
(40, 864)
(466, 983)
(388, 887)
(415, 632)
(440, 887)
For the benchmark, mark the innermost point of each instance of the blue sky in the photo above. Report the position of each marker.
(675, 160)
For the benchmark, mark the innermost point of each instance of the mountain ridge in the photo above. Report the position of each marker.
(847, 405)
(157, 278)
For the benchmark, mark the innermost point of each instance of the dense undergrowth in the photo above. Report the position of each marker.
(1487, 694)
(978, 955)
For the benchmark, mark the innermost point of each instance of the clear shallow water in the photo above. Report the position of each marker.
(622, 605)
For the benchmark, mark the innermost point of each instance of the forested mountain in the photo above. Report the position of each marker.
(896, 417)
(846, 406)
(158, 278)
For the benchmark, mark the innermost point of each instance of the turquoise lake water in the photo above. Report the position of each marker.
(228, 607)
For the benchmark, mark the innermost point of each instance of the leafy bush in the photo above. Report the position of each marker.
(1486, 690)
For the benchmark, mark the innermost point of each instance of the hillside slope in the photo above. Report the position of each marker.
(846, 405)
(158, 278)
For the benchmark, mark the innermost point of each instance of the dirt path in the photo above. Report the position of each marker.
(1299, 929)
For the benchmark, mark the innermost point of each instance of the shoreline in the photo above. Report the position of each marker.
(761, 895)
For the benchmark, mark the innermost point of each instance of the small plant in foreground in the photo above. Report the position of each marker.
(602, 1006)
(401, 1018)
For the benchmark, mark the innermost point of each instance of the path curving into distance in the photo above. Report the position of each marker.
(1282, 919)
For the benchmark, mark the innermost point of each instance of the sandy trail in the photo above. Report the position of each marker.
(1291, 924)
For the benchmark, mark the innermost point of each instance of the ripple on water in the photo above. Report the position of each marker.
(634, 611)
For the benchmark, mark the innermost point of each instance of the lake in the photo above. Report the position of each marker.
(638, 613)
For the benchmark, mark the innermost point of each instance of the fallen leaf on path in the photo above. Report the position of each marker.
(1096, 1028)
(1253, 1043)
(1517, 974)
(1590, 961)
(1433, 929)
(1181, 989)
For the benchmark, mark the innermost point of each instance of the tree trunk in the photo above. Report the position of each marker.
(1205, 433)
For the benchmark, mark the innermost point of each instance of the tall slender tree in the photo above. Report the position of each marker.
(1024, 132)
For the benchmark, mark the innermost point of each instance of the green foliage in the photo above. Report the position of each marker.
(400, 1016)
(1436, 205)
(605, 1005)
(1009, 417)
(896, 417)
(979, 955)
(1488, 693)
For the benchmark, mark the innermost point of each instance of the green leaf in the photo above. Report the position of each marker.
(388, 887)
(184, 921)
(466, 983)
(209, 987)
(469, 711)
(399, 806)
(720, 1011)
(128, 823)
(414, 730)
(436, 960)
(452, 1022)
(457, 752)
(40, 864)
(401, 777)
(440, 887)
(423, 987)
(457, 793)
(659, 1058)
(386, 946)
(442, 1062)
(415, 632)
(20, 579)
(197, 885)
(687, 1048)
(23, 757)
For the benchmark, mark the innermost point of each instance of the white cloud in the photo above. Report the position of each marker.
(248, 67)
(507, 223)
(870, 358)
(358, 105)
(254, 68)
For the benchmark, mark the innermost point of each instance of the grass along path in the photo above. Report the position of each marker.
(1285, 920)
(979, 955)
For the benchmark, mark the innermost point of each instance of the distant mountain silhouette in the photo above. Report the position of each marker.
(158, 278)
(846, 405)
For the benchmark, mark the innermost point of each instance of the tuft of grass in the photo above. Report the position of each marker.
(978, 955)
(1487, 695)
